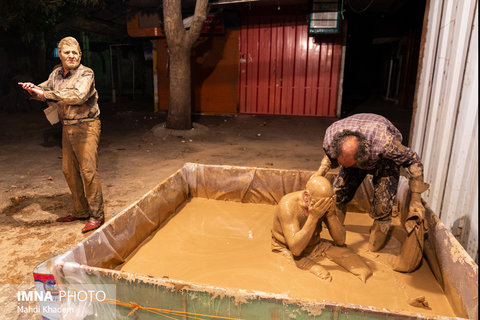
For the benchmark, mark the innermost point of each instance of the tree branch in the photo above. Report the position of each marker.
(172, 22)
(197, 23)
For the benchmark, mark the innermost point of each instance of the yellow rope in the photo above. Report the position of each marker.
(158, 311)
(136, 306)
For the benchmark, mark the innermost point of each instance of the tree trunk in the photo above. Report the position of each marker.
(179, 107)
(180, 42)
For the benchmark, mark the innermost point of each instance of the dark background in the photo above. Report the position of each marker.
(382, 48)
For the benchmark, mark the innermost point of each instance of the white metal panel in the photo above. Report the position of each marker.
(440, 117)
(460, 203)
(424, 85)
(444, 129)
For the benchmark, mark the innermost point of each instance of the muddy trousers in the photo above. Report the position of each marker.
(385, 183)
(79, 165)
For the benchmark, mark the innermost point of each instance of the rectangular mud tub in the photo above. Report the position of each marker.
(93, 264)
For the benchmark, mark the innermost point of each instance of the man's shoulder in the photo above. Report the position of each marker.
(358, 119)
(84, 69)
(57, 69)
(369, 124)
(290, 200)
(291, 195)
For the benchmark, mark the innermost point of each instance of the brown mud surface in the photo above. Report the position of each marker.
(227, 244)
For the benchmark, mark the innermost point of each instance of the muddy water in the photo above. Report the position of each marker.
(227, 244)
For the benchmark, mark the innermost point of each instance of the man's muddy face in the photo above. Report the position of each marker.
(307, 199)
(70, 57)
(347, 160)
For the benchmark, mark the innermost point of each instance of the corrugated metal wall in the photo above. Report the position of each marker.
(445, 124)
(283, 71)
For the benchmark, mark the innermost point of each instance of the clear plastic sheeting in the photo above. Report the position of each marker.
(93, 261)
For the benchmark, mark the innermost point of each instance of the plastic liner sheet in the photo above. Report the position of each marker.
(451, 265)
(93, 260)
(252, 185)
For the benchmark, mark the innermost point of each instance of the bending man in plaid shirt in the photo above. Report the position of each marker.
(370, 144)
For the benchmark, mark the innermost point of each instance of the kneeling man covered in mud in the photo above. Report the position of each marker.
(297, 224)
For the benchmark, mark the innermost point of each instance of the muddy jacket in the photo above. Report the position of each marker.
(385, 142)
(74, 95)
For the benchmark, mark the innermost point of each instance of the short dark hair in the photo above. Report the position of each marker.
(363, 148)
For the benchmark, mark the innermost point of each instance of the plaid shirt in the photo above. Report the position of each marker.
(385, 142)
(74, 95)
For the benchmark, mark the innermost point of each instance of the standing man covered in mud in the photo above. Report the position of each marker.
(70, 88)
(297, 224)
(370, 144)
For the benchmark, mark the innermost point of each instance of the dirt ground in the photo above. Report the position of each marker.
(135, 154)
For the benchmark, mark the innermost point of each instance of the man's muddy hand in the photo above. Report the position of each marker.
(27, 85)
(416, 212)
(416, 207)
(320, 207)
(32, 89)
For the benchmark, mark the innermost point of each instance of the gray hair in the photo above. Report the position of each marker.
(362, 153)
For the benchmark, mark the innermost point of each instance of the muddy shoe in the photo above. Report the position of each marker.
(92, 225)
(377, 237)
